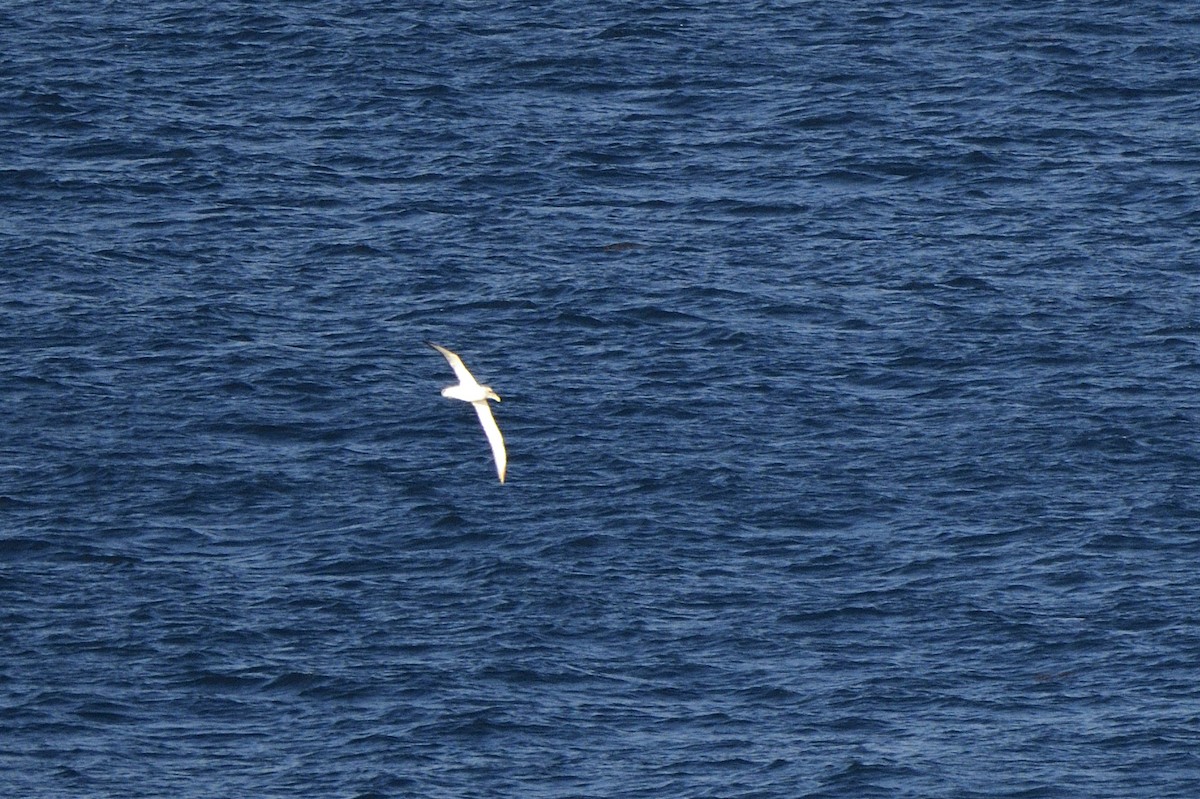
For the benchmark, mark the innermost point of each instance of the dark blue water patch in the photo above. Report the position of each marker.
(847, 360)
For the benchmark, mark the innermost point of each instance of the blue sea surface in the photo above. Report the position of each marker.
(850, 365)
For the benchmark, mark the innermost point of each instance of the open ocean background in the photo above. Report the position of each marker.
(850, 357)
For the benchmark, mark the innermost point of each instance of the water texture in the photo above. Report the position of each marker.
(849, 357)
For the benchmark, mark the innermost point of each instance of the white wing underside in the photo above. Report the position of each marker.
(493, 436)
(460, 369)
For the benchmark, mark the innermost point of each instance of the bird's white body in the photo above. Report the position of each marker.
(469, 390)
(471, 393)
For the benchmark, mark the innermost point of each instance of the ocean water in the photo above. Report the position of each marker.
(850, 365)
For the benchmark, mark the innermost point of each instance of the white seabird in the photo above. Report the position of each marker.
(469, 390)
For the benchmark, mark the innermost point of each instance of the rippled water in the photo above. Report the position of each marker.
(849, 359)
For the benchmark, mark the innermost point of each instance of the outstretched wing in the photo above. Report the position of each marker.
(493, 435)
(460, 369)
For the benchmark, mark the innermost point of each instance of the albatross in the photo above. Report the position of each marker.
(469, 390)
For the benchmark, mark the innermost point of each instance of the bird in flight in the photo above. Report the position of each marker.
(469, 390)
